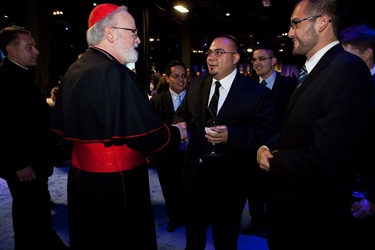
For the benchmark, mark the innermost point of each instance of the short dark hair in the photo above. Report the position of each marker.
(233, 39)
(9, 35)
(332, 8)
(267, 47)
(168, 69)
(360, 36)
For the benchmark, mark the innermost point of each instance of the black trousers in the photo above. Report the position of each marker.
(216, 199)
(31, 214)
(169, 169)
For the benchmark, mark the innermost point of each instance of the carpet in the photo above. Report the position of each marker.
(166, 240)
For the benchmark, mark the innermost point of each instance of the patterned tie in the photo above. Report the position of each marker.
(264, 83)
(212, 108)
(302, 75)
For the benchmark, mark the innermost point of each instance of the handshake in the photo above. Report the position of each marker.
(184, 135)
(183, 131)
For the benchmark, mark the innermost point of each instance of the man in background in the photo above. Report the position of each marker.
(52, 99)
(28, 143)
(282, 88)
(360, 40)
(169, 163)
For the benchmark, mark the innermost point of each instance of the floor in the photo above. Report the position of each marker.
(166, 240)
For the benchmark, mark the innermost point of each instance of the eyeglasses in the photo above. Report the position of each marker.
(293, 23)
(218, 53)
(183, 76)
(134, 31)
(260, 59)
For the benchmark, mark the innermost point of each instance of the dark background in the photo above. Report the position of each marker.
(61, 38)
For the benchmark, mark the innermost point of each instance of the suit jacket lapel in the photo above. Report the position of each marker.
(232, 97)
(204, 95)
(323, 63)
(168, 102)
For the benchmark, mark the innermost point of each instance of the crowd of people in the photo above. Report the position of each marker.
(291, 148)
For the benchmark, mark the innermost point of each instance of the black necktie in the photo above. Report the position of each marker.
(212, 108)
(302, 75)
(264, 83)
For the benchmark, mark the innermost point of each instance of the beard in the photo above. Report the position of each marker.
(131, 56)
(308, 42)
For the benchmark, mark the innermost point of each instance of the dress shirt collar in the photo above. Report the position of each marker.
(310, 64)
(372, 70)
(177, 97)
(270, 80)
(226, 82)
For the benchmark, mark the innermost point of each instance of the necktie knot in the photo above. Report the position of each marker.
(264, 83)
(179, 99)
(218, 84)
(302, 75)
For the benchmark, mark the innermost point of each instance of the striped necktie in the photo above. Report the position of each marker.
(212, 108)
(302, 75)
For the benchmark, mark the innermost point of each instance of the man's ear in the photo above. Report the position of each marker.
(109, 34)
(11, 50)
(236, 58)
(323, 22)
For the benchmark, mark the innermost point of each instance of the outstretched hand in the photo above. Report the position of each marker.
(263, 157)
(183, 131)
(26, 174)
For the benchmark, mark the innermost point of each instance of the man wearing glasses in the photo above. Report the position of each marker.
(281, 87)
(169, 163)
(104, 110)
(215, 186)
(312, 160)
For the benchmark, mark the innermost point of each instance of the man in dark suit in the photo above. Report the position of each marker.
(311, 161)
(27, 142)
(169, 163)
(360, 40)
(282, 87)
(215, 187)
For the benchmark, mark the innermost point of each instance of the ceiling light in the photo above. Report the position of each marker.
(181, 8)
(266, 3)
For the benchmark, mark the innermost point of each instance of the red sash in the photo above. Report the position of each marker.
(98, 158)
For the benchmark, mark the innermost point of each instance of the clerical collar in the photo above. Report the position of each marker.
(104, 52)
(18, 64)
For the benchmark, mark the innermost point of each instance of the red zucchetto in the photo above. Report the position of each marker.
(101, 11)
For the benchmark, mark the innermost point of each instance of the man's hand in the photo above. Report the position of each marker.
(363, 209)
(263, 157)
(217, 134)
(183, 132)
(26, 174)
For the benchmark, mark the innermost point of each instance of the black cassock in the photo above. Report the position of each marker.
(104, 110)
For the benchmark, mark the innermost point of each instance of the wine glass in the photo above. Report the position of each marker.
(211, 123)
